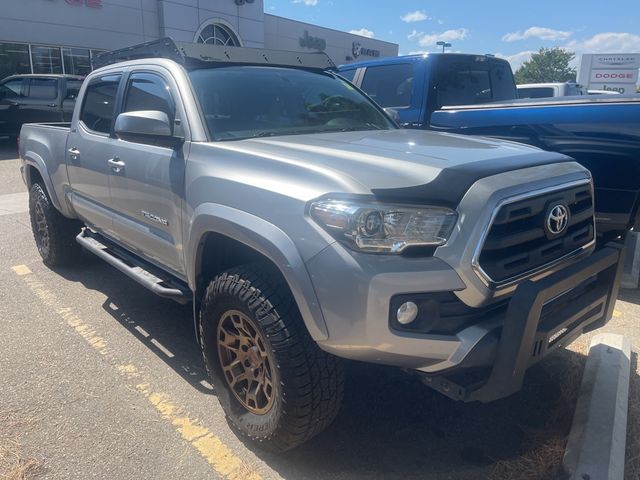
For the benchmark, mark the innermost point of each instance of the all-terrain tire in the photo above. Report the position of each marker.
(55, 234)
(308, 382)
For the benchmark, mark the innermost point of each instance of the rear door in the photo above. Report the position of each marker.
(11, 96)
(89, 148)
(147, 190)
(41, 103)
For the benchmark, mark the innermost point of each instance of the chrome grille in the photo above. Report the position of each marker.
(518, 242)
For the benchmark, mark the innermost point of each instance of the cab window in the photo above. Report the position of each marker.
(11, 89)
(99, 103)
(43, 88)
(389, 85)
(148, 91)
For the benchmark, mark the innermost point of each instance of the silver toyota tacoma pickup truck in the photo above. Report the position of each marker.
(306, 227)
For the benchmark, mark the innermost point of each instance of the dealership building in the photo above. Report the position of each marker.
(62, 36)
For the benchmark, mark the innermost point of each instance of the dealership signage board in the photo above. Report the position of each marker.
(610, 71)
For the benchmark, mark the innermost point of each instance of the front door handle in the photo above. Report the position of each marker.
(74, 153)
(116, 164)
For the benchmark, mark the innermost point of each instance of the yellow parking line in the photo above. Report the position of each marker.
(617, 313)
(209, 446)
(21, 270)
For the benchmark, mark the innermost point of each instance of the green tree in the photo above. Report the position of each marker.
(547, 65)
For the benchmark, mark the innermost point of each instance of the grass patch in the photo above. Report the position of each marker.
(14, 464)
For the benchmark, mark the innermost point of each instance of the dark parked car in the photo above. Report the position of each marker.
(36, 98)
(476, 95)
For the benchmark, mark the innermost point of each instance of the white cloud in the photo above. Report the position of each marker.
(448, 36)
(606, 43)
(542, 33)
(415, 34)
(308, 3)
(364, 32)
(417, 16)
(517, 59)
(440, 22)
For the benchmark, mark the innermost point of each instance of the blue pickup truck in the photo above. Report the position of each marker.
(476, 95)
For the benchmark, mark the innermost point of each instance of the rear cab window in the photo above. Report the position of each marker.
(470, 80)
(389, 85)
(99, 103)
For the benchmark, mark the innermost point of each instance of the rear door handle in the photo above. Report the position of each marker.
(74, 153)
(116, 164)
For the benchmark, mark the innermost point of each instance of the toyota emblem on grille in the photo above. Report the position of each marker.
(557, 219)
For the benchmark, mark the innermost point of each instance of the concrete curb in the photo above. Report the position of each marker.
(596, 445)
(631, 274)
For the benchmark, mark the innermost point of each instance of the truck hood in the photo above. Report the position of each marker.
(399, 164)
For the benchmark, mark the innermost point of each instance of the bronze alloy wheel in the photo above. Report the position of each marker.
(42, 229)
(245, 363)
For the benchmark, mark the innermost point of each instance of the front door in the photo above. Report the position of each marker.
(89, 149)
(147, 180)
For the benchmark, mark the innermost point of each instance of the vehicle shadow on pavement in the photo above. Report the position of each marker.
(391, 426)
(630, 295)
(163, 326)
(8, 149)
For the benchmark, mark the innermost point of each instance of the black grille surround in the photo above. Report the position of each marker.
(518, 243)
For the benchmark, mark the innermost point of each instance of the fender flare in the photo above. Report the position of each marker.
(268, 240)
(34, 160)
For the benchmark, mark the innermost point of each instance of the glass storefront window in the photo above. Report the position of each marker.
(14, 59)
(46, 59)
(76, 61)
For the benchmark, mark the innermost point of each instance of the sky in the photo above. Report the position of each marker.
(509, 29)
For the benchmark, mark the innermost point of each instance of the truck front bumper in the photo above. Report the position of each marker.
(484, 360)
(541, 316)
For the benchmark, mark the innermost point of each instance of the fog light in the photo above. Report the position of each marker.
(407, 313)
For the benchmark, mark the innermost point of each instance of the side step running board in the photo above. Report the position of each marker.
(134, 268)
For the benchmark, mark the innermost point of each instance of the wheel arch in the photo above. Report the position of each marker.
(222, 237)
(36, 170)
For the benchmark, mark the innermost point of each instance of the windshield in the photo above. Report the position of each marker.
(244, 102)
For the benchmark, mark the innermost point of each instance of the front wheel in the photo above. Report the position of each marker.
(274, 383)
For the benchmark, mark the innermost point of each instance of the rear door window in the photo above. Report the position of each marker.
(43, 88)
(389, 85)
(99, 103)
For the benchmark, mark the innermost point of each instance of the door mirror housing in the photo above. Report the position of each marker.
(147, 126)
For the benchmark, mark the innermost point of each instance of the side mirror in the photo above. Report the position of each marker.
(146, 126)
(393, 113)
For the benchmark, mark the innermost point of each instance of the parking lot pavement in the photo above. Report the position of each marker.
(101, 379)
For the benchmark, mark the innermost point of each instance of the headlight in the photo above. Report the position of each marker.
(373, 227)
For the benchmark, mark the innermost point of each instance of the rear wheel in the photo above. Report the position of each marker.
(53, 232)
(274, 383)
